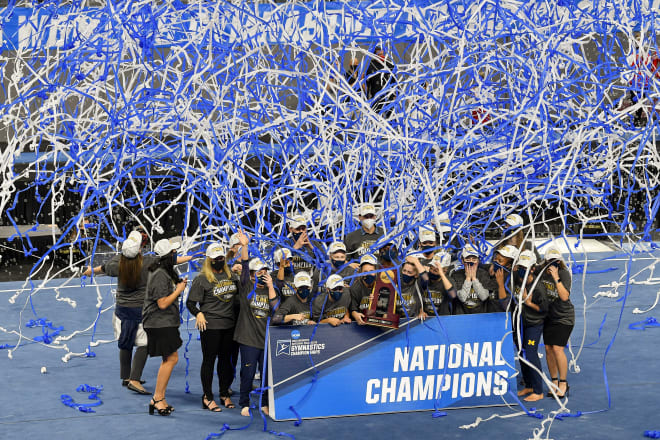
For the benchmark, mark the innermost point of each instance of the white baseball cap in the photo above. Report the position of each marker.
(296, 221)
(336, 246)
(130, 248)
(334, 281)
(425, 234)
(368, 259)
(302, 278)
(514, 220)
(277, 256)
(469, 250)
(552, 253)
(443, 224)
(165, 246)
(367, 208)
(443, 258)
(526, 259)
(508, 251)
(256, 264)
(215, 250)
(233, 240)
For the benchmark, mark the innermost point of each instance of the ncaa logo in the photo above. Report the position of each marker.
(295, 334)
(283, 347)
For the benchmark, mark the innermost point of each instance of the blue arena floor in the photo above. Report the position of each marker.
(621, 405)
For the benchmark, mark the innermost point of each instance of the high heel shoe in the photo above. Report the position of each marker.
(206, 405)
(567, 388)
(162, 411)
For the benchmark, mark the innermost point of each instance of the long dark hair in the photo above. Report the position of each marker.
(130, 270)
(166, 263)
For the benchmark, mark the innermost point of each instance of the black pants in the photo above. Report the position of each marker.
(251, 359)
(220, 345)
(131, 366)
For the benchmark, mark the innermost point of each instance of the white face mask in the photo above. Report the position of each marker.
(368, 223)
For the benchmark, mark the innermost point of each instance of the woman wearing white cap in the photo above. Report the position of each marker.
(332, 307)
(414, 280)
(296, 309)
(427, 244)
(160, 318)
(338, 265)
(440, 291)
(515, 235)
(559, 323)
(130, 268)
(472, 283)
(533, 297)
(258, 300)
(362, 288)
(305, 252)
(215, 290)
(283, 276)
(500, 271)
(359, 242)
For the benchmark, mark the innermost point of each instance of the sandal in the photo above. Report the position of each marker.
(226, 401)
(162, 411)
(555, 386)
(210, 405)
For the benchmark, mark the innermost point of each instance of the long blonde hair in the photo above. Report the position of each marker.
(208, 273)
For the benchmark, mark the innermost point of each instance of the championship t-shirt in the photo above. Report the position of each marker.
(216, 301)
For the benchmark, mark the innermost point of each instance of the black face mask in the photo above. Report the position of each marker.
(288, 270)
(303, 292)
(369, 279)
(433, 277)
(387, 254)
(554, 264)
(427, 249)
(296, 235)
(174, 258)
(261, 280)
(407, 279)
(218, 264)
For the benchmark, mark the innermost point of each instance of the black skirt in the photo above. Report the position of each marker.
(163, 341)
(556, 334)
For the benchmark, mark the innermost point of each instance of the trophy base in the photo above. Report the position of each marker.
(382, 322)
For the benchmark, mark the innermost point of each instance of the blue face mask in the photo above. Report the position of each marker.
(296, 235)
(288, 270)
(407, 279)
(433, 277)
(303, 292)
(337, 263)
(520, 273)
(261, 280)
(336, 294)
(369, 279)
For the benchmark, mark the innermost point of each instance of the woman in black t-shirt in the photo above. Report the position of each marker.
(559, 323)
(160, 318)
(215, 290)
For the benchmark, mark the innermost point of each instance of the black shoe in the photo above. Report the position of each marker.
(206, 405)
(162, 411)
(124, 382)
(132, 387)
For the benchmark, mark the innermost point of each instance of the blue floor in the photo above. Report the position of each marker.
(30, 405)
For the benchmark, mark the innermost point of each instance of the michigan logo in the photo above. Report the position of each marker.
(283, 347)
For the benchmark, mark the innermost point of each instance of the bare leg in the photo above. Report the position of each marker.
(562, 366)
(164, 373)
(552, 364)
